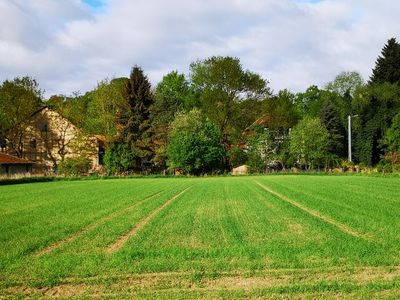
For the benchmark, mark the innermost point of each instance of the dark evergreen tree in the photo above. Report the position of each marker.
(136, 122)
(376, 105)
(387, 68)
(331, 120)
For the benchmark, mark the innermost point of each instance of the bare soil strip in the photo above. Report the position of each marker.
(184, 282)
(344, 228)
(92, 226)
(120, 242)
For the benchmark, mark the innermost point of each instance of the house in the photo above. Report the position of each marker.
(10, 165)
(47, 138)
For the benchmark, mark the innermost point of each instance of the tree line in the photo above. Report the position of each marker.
(222, 116)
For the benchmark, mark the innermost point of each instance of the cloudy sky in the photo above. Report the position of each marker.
(68, 45)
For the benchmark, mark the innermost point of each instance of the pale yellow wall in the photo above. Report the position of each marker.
(49, 144)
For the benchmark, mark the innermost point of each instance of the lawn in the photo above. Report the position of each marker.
(219, 237)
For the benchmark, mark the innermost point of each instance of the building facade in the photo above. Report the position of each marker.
(47, 138)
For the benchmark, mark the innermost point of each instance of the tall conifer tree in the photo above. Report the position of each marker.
(387, 68)
(136, 123)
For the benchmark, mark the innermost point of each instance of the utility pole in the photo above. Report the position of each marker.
(349, 136)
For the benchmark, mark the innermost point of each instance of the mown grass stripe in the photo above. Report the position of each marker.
(344, 228)
(120, 242)
(92, 226)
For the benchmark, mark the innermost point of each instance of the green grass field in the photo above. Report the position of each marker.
(276, 236)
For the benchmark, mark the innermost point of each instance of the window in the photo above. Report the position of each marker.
(3, 143)
(45, 127)
(32, 144)
(101, 153)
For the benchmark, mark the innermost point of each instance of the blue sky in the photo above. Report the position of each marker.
(94, 3)
(71, 45)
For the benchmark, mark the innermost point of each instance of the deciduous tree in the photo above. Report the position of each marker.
(309, 142)
(221, 82)
(19, 98)
(172, 95)
(106, 105)
(345, 83)
(195, 144)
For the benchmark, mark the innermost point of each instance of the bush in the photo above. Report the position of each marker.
(347, 165)
(74, 166)
(194, 144)
(118, 159)
(384, 167)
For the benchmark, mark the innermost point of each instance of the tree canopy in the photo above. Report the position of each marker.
(194, 144)
(221, 84)
(223, 115)
(387, 67)
(309, 142)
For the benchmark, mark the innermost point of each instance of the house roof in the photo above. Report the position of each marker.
(6, 159)
(263, 121)
(39, 110)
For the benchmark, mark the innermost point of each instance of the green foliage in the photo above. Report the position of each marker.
(76, 166)
(107, 104)
(331, 120)
(237, 156)
(194, 144)
(19, 98)
(346, 83)
(118, 158)
(281, 111)
(392, 137)
(221, 83)
(309, 143)
(310, 102)
(74, 108)
(391, 142)
(247, 112)
(263, 150)
(376, 105)
(387, 68)
(136, 121)
(173, 94)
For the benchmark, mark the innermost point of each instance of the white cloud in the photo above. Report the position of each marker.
(294, 44)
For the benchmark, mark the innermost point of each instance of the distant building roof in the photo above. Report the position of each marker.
(263, 121)
(6, 159)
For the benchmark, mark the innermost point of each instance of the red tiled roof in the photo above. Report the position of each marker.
(9, 159)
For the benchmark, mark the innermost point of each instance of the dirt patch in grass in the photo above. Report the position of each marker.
(92, 226)
(120, 242)
(296, 283)
(344, 228)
